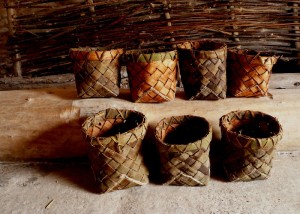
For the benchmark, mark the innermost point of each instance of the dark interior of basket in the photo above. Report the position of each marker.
(36, 34)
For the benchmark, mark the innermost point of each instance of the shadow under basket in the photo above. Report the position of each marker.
(249, 73)
(183, 143)
(115, 138)
(203, 69)
(152, 75)
(249, 141)
(97, 72)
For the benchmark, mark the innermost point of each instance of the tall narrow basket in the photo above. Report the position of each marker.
(203, 69)
(183, 143)
(249, 73)
(249, 140)
(115, 138)
(152, 75)
(97, 72)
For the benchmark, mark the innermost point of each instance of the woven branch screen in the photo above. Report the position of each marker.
(37, 34)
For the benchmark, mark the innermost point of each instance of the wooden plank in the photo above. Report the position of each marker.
(278, 81)
(45, 123)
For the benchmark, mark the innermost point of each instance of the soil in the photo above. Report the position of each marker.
(129, 123)
(188, 131)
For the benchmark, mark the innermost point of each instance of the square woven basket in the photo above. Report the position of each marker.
(249, 141)
(203, 69)
(184, 143)
(152, 75)
(115, 139)
(97, 72)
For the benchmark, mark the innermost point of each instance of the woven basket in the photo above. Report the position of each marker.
(249, 139)
(97, 73)
(115, 139)
(183, 143)
(249, 73)
(152, 75)
(203, 69)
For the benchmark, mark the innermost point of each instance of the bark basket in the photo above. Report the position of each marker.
(97, 72)
(184, 143)
(115, 138)
(249, 73)
(249, 139)
(203, 69)
(152, 75)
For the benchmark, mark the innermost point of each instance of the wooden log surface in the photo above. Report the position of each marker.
(46, 123)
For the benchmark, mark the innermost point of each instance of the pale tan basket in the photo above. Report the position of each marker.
(249, 140)
(152, 75)
(184, 143)
(97, 72)
(115, 139)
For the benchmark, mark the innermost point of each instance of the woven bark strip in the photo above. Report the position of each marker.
(203, 69)
(115, 138)
(183, 143)
(249, 140)
(97, 72)
(249, 73)
(152, 76)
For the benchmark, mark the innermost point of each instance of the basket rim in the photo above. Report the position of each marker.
(219, 45)
(223, 120)
(209, 132)
(89, 120)
(93, 53)
(253, 53)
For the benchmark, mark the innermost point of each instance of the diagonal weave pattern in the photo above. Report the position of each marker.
(203, 69)
(186, 163)
(152, 76)
(115, 139)
(248, 158)
(249, 73)
(96, 72)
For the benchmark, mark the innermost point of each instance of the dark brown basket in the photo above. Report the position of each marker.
(152, 75)
(183, 143)
(249, 139)
(115, 138)
(203, 69)
(97, 72)
(249, 73)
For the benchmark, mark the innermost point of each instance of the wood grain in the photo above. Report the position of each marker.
(46, 123)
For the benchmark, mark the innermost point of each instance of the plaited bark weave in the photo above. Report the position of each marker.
(203, 69)
(97, 72)
(249, 141)
(152, 76)
(183, 143)
(115, 138)
(249, 73)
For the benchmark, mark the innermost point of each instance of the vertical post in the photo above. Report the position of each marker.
(92, 8)
(235, 33)
(167, 7)
(11, 15)
(297, 29)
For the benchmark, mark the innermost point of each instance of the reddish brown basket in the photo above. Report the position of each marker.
(183, 143)
(97, 72)
(152, 75)
(249, 73)
(115, 138)
(249, 140)
(203, 69)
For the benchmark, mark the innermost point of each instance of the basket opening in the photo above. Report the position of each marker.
(201, 46)
(262, 126)
(188, 131)
(115, 126)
